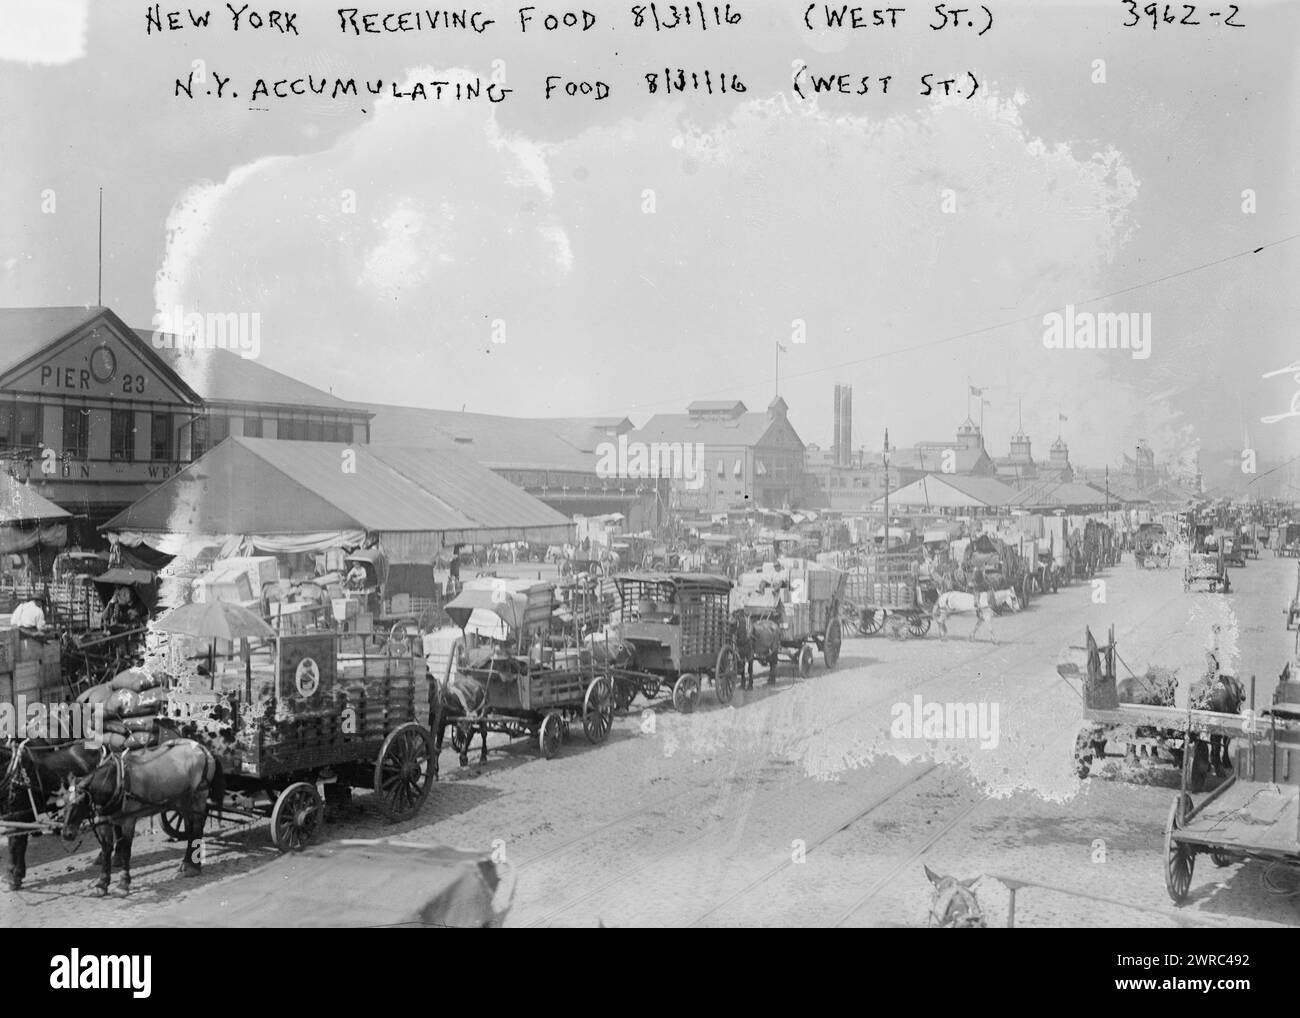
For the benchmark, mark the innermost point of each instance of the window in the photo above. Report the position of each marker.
(121, 438)
(160, 438)
(76, 433)
(252, 427)
(218, 429)
(315, 431)
(29, 425)
(199, 437)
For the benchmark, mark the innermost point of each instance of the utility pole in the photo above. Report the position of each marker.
(99, 290)
(885, 458)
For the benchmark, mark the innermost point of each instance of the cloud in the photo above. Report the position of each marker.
(44, 31)
(651, 260)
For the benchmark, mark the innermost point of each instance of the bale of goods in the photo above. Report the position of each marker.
(135, 679)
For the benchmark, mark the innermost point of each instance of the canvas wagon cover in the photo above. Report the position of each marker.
(354, 884)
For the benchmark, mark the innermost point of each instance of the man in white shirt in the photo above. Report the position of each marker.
(29, 615)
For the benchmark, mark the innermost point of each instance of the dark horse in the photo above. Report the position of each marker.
(178, 775)
(456, 700)
(755, 639)
(33, 772)
(1222, 693)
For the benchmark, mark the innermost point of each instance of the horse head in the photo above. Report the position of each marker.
(953, 904)
(78, 805)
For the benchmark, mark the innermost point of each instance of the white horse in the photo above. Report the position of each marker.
(958, 602)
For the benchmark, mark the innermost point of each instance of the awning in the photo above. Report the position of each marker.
(21, 503)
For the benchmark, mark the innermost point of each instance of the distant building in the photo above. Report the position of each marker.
(965, 456)
(95, 414)
(746, 458)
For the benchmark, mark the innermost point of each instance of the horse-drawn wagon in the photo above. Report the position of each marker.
(1285, 540)
(1152, 546)
(886, 591)
(518, 672)
(1255, 813)
(677, 629)
(797, 616)
(311, 712)
(1208, 567)
(1138, 713)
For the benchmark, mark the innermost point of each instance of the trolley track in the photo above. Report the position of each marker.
(879, 801)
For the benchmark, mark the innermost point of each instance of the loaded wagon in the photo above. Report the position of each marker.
(516, 675)
(678, 629)
(807, 609)
(1208, 568)
(1285, 540)
(308, 715)
(1153, 727)
(1151, 547)
(884, 591)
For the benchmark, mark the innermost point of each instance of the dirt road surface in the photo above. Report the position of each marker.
(812, 802)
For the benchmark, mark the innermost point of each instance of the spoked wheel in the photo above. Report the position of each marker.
(831, 645)
(549, 735)
(173, 824)
(405, 770)
(398, 633)
(297, 817)
(598, 710)
(1083, 752)
(686, 693)
(1179, 859)
(872, 621)
(918, 625)
(651, 687)
(805, 660)
(724, 674)
(460, 738)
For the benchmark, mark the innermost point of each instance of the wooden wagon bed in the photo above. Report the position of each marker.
(1249, 817)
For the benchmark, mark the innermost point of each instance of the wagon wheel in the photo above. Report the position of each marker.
(686, 692)
(872, 621)
(804, 661)
(724, 674)
(651, 686)
(598, 710)
(460, 738)
(172, 824)
(404, 771)
(918, 625)
(831, 645)
(549, 735)
(1179, 859)
(297, 817)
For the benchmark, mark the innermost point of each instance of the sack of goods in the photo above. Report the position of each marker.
(135, 679)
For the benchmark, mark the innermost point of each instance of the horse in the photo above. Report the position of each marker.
(460, 700)
(33, 773)
(953, 905)
(755, 639)
(178, 775)
(956, 602)
(1225, 694)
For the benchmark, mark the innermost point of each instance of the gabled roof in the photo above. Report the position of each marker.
(20, 503)
(500, 443)
(946, 491)
(258, 486)
(222, 376)
(1060, 494)
(26, 332)
(717, 406)
(746, 429)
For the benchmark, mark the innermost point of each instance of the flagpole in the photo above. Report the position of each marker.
(99, 290)
(776, 363)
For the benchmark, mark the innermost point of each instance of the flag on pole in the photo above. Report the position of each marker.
(1062, 416)
(976, 392)
(781, 348)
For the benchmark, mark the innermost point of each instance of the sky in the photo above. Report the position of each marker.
(625, 256)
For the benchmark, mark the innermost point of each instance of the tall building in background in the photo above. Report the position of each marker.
(843, 445)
